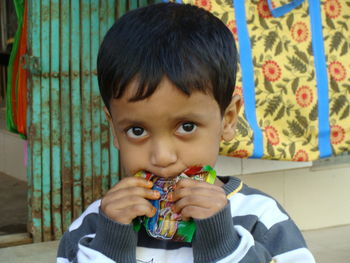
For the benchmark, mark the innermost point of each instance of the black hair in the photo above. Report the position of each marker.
(185, 43)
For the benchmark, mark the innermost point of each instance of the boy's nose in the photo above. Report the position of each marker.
(163, 154)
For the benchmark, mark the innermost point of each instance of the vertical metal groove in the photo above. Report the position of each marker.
(96, 102)
(121, 7)
(86, 101)
(35, 126)
(76, 107)
(114, 155)
(104, 124)
(65, 117)
(29, 171)
(143, 3)
(133, 4)
(46, 115)
(55, 119)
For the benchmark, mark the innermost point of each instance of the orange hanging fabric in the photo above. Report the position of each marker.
(22, 79)
(16, 82)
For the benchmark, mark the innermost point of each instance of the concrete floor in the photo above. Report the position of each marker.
(13, 208)
(330, 244)
(327, 245)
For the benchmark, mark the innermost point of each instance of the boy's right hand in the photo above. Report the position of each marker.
(128, 200)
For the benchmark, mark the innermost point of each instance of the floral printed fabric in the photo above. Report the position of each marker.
(286, 95)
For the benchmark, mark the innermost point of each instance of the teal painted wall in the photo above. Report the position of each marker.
(71, 159)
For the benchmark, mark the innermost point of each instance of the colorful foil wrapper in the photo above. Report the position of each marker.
(166, 224)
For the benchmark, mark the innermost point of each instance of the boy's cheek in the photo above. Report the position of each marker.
(201, 154)
(132, 162)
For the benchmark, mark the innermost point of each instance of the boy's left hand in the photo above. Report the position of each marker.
(196, 199)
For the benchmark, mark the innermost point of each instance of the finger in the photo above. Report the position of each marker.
(118, 198)
(207, 202)
(193, 191)
(129, 213)
(180, 193)
(195, 213)
(133, 191)
(132, 182)
(124, 202)
(183, 183)
(139, 210)
(123, 209)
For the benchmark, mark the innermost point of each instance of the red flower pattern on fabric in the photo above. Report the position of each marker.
(304, 96)
(272, 135)
(271, 70)
(301, 156)
(337, 134)
(263, 9)
(337, 71)
(206, 4)
(300, 32)
(233, 27)
(239, 154)
(332, 8)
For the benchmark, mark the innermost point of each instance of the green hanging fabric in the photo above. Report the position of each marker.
(12, 87)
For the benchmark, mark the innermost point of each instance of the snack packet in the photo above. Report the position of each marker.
(166, 224)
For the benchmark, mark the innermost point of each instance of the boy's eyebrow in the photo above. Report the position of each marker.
(192, 116)
(127, 122)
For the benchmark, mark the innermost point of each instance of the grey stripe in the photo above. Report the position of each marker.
(283, 237)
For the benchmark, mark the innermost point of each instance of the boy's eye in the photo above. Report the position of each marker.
(136, 132)
(187, 127)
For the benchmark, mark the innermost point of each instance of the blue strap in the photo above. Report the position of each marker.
(246, 64)
(280, 11)
(324, 142)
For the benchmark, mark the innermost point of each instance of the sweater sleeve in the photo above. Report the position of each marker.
(94, 238)
(217, 239)
(238, 234)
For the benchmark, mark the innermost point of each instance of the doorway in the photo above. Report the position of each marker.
(13, 184)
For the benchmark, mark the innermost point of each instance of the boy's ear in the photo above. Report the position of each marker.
(230, 118)
(110, 121)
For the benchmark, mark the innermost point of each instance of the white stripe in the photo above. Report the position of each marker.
(186, 254)
(89, 255)
(301, 255)
(181, 255)
(247, 241)
(93, 208)
(265, 208)
(62, 260)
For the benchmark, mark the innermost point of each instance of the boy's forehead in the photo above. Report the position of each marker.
(167, 99)
(166, 85)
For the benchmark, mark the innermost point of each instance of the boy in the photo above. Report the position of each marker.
(166, 75)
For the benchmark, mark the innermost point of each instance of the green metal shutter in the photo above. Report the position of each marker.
(71, 159)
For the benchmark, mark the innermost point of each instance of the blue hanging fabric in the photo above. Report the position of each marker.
(248, 86)
(282, 10)
(321, 79)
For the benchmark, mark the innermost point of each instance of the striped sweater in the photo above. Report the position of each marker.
(253, 227)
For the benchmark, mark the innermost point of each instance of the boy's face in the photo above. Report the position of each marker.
(169, 131)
